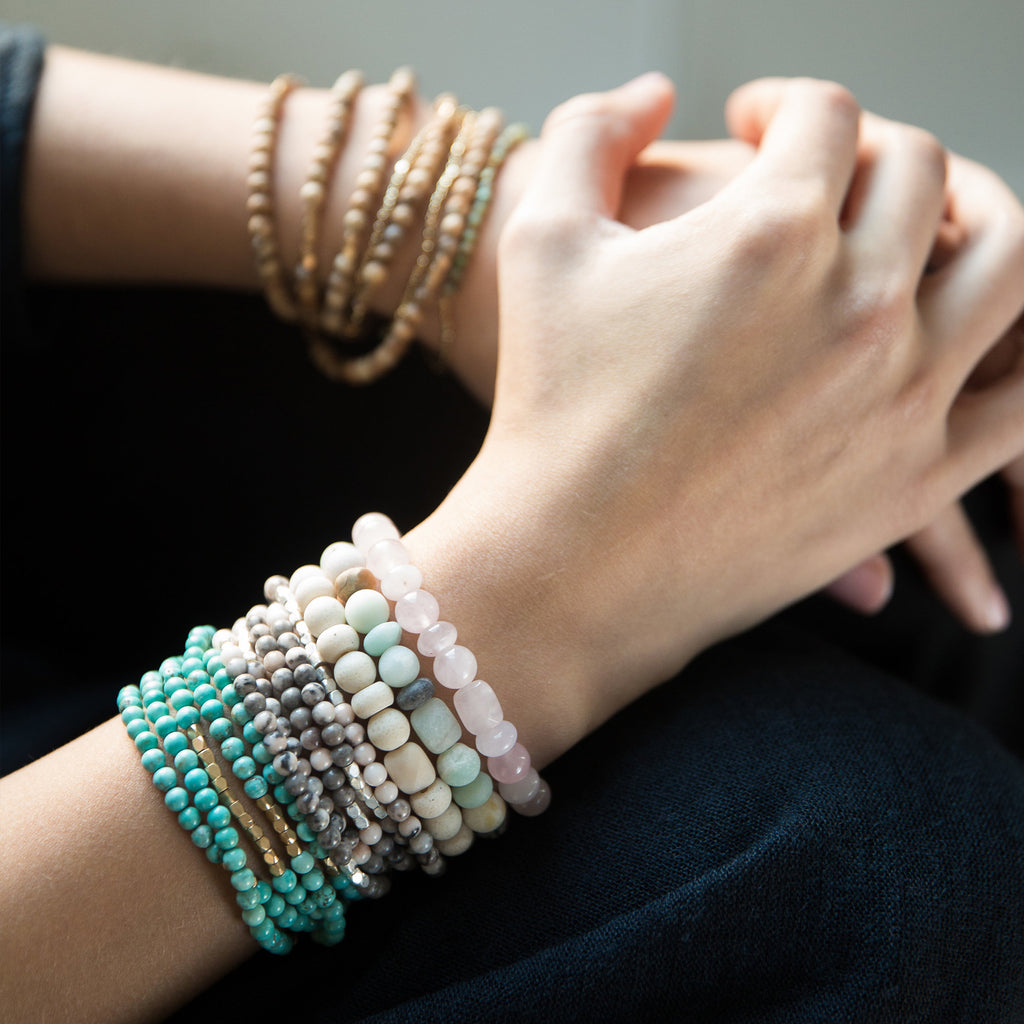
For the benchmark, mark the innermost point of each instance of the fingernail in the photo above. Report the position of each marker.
(996, 613)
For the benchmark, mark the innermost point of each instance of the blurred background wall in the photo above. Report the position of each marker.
(954, 66)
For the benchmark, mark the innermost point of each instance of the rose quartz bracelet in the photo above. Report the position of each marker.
(455, 666)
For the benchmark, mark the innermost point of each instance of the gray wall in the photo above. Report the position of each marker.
(955, 67)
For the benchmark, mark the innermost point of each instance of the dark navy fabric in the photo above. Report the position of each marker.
(820, 821)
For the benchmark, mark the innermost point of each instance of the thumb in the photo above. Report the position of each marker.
(749, 109)
(591, 141)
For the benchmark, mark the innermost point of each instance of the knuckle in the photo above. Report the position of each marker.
(927, 151)
(542, 234)
(835, 98)
(591, 106)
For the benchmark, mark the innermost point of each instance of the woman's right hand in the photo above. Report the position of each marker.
(706, 420)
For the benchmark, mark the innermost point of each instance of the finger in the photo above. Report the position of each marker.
(978, 293)
(1013, 474)
(900, 197)
(955, 564)
(805, 131)
(590, 142)
(867, 587)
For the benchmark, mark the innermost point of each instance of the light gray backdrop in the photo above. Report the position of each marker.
(954, 66)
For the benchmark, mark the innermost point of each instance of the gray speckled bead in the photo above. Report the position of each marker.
(415, 695)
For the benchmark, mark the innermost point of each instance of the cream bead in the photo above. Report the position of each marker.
(337, 641)
(311, 587)
(410, 768)
(487, 817)
(371, 699)
(388, 729)
(338, 557)
(323, 612)
(303, 573)
(354, 671)
(446, 825)
(459, 843)
(433, 800)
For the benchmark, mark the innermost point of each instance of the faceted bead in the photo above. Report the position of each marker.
(478, 707)
(475, 793)
(458, 765)
(435, 725)
(455, 667)
(400, 580)
(416, 611)
(337, 641)
(523, 789)
(491, 814)
(497, 741)
(433, 800)
(370, 528)
(338, 557)
(354, 671)
(323, 612)
(366, 609)
(385, 555)
(388, 729)
(510, 766)
(410, 768)
(458, 844)
(436, 638)
(382, 637)
(446, 824)
(398, 666)
(372, 698)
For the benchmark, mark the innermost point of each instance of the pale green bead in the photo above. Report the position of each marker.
(476, 793)
(382, 637)
(398, 666)
(366, 609)
(435, 725)
(459, 765)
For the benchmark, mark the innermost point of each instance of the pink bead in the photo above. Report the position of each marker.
(539, 803)
(436, 638)
(522, 790)
(384, 555)
(511, 766)
(497, 741)
(478, 707)
(416, 611)
(399, 581)
(370, 528)
(455, 667)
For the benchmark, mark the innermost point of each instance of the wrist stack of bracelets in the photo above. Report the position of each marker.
(304, 751)
(439, 186)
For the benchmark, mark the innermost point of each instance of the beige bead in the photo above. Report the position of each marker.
(488, 816)
(351, 580)
(313, 586)
(447, 824)
(322, 613)
(433, 800)
(410, 768)
(338, 557)
(336, 641)
(355, 670)
(388, 729)
(459, 843)
(371, 699)
(303, 573)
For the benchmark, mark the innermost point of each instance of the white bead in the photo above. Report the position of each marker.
(375, 775)
(387, 791)
(338, 557)
(302, 573)
(354, 671)
(336, 641)
(433, 800)
(323, 612)
(372, 527)
(312, 587)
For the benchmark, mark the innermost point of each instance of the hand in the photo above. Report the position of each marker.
(698, 423)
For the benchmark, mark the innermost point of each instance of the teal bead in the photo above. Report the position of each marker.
(285, 882)
(295, 896)
(132, 713)
(476, 793)
(381, 637)
(176, 799)
(281, 795)
(264, 931)
(158, 709)
(398, 666)
(260, 754)
(190, 664)
(180, 699)
(271, 777)
(151, 697)
(196, 779)
(140, 725)
(324, 897)
(174, 743)
(189, 819)
(264, 890)
(229, 695)
(169, 667)
(254, 917)
(302, 862)
(221, 729)
(165, 725)
(206, 799)
(335, 912)
(203, 693)
(234, 860)
(202, 836)
(294, 813)
(459, 765)
(221, 678)
(232, 748)
(308, 908)
(213, 854)
(305, 833)
(186, 760)
(313, 880)
(153, 759)
(275, 905)
(187, 717)
(165, 778)
(287, 917)
(211, 709)
(226, 838)
(243, 768)
(249, 899)
(239, 715)
(251, 734)
(198, 676)
(317, 851)
(242, 880)
(218, 817)
(151, 678)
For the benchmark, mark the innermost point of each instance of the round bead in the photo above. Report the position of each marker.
(491, 814)
(176, 799)
(458, 844)
(385, 555)
(190, 819)
(366, 609)
(459, 765)
(387, 791)
(478, 707)
(336, 641)
(433, 800)
(313, 587)
(218, 817)
(538, 803)
(400, 580)
(370, 528)
(446, 824)
(196, 779)
(205, 799)
(372, 698)
(435, 725)
(387, 730)
(398, 666)
(436, 638)
(475, 793)
(322, 613)
(354, 671)
(304, 572)
(416, 611)
(382, 637)
(455, 667)
(165, 778)
(376, 774)
(497, 741)
(510, 766)
(523, 790)
(410, 768)
(338, 557)
(153, 759)
(415, 694)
